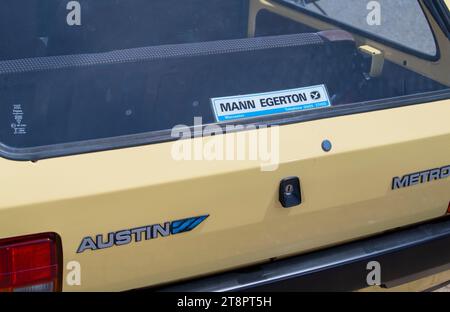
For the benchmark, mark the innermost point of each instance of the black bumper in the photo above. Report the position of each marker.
(404, 256)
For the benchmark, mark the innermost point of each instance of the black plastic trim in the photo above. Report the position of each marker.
(74, 148)
(156, 53)
(441, 14)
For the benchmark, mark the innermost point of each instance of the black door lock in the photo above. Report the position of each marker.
(290, 194)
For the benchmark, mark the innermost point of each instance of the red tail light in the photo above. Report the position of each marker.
(448, 209)
(30, 263)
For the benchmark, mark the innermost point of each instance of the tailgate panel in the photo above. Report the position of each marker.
(346, 195)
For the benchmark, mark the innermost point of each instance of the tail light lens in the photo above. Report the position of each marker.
(30, 263)
(448, 209)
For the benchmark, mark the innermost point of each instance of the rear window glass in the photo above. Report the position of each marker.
(401, 21)
(87, 70)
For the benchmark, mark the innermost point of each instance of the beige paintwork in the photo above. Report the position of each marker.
(347, 193)
(346, 196)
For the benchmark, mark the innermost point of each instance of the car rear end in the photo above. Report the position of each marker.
(180, 146)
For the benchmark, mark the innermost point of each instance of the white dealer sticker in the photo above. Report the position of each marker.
(270, 103)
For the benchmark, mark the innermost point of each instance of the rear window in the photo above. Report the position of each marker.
(400, 22)
(86, 75)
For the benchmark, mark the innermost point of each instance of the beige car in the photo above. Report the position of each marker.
(133, 145)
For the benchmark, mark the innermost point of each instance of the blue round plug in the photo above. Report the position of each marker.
(327, 146)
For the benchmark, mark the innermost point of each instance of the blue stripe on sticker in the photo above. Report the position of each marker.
(276, 111)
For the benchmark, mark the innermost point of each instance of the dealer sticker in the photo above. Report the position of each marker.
(270, 103)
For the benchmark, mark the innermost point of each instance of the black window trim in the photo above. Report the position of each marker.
(155, 137)
(441, 14)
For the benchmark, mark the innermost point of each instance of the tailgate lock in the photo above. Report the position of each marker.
(290, 194)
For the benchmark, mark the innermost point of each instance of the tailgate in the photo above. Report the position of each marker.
(92, 106)
(346, 195)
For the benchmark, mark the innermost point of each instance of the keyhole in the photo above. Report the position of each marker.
(289, 189)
